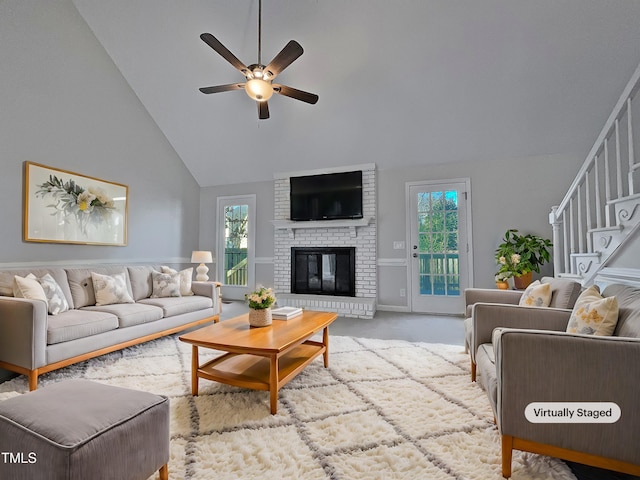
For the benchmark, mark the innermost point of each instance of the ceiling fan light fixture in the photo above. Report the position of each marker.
(258, 89)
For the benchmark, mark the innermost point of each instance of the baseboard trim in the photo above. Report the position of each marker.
(394, 308)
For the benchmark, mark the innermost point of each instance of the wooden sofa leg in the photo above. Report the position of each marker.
(507, 451)
(164, 472)
(473, 371)
(33, 380)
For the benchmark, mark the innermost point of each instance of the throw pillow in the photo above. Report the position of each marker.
(186, 277)
(593, 314)
(536, 295)
(110, 289)
(56, 301)
(165, 284)
(28, 287)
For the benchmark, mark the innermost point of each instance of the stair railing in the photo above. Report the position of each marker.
(588, 205)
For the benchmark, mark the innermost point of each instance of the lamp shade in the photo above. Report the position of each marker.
(199, 256)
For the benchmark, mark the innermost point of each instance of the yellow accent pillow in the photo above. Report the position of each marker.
(536, 295)
(593, 314)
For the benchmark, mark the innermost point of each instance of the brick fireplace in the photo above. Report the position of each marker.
(319, 237)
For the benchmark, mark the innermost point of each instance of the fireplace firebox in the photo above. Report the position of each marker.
(323, 271)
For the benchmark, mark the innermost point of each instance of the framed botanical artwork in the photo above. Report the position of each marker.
(67, 207)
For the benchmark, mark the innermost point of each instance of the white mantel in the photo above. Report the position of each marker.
(292, 225)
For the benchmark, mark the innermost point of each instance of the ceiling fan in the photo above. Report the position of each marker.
(259, 85)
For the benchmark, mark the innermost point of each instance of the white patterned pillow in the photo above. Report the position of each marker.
(28, 287)
(593, 314)
(165, 284)
(186, 277)
(110, 289)
(536, 295)
(56, 301)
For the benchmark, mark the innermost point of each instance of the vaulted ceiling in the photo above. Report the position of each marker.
(401, 82)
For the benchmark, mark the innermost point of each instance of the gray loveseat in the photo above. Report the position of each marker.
(33, 342)
(535, 360)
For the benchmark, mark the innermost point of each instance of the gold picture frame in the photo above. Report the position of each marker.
(66, 207)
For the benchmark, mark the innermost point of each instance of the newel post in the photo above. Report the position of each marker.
(557, 251)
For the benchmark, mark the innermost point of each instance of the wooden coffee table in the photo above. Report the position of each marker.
(264, 358)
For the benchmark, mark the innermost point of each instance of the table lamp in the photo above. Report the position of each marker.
(201, 257)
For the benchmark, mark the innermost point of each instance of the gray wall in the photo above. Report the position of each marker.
(264, 227)
(64, 104)
(506, 193)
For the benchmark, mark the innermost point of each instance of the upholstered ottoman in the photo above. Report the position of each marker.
(80, 430)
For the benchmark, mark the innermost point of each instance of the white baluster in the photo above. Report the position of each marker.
(587, 200)
(607, 184)
(598, 199)
(630, 140)
(619, 193)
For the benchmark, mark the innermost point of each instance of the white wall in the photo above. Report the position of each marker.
(64, 104)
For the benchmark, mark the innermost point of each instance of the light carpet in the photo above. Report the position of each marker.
(384, 409)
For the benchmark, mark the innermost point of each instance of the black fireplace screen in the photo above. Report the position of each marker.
(323, 271)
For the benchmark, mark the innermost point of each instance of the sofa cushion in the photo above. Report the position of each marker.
(186, 278)
(141, 281)
(536, 295)
(488, 378)
(81, 285)
(58, 274)
(165, 285)
(593, 314)
(110, 289)
(179, 305)
(74, 324)
(129, 313)
(564, 292)
(628, 309)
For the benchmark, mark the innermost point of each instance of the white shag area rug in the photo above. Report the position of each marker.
(384, 409)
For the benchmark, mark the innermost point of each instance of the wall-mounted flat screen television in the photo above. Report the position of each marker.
(328, 196)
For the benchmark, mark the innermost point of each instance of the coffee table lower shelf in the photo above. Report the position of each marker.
(250, 370)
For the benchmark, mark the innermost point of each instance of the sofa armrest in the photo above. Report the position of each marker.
(488, 316)
(490, 295)
(211, 290)
(23, 332)
(543, 366)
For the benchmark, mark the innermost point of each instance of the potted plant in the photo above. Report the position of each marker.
(520, 255)
(260, 303)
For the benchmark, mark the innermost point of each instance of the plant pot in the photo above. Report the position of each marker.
(502, 285)
(523, 281)
(260, 318)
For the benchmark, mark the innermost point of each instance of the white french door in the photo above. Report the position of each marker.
(235, 252)
(439, 245)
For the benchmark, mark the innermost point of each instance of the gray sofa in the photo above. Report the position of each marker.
(530, 358)
(33, 342)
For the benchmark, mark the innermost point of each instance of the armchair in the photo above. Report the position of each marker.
(564, 294)
(540, 362)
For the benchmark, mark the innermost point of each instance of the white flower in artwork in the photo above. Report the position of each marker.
(84, 201)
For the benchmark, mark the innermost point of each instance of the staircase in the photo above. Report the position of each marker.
(599, 216)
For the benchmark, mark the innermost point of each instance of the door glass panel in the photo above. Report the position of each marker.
(438, 241)
(235, 244)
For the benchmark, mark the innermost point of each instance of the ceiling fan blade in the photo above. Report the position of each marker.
(214, 43)
(222, 88)
(311, 98)
(282, 60)
(263, 110)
